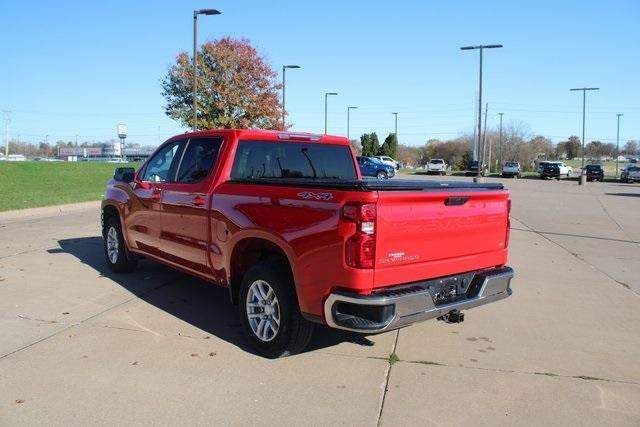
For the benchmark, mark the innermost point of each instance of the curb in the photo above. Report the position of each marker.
(49, 211)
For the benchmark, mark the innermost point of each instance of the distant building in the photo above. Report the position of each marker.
(105, 151)
(15, 158)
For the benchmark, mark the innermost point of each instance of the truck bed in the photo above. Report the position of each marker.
(375, 184)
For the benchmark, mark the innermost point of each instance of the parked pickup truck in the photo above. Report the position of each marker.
(286, 223)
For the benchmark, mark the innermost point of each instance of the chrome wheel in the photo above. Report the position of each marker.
(263, 310)
(112, 245)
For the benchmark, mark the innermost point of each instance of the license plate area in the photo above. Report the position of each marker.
(450, 289)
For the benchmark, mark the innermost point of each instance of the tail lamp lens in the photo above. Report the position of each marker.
(360, 248)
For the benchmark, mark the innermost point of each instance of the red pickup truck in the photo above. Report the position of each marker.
(286, 222)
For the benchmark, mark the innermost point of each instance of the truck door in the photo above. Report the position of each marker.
(185, 234)
(143, 221)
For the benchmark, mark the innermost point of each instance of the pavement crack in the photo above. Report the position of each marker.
(22, 316)
(392, 359)
(515, 371)
(128, 300)
(124, 329)
(606, 211)
(576, 255)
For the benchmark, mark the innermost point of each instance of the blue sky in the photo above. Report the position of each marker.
(78, 68)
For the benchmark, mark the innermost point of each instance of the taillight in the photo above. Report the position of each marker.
(360, 249)
(508, 232)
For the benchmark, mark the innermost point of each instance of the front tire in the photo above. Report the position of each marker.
(382, 175)
(269, 310)
(115, 249)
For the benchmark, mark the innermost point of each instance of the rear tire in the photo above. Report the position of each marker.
(382, 175)
(269, 310)
(118, 257)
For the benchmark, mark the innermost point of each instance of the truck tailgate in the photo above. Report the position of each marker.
(428, 234)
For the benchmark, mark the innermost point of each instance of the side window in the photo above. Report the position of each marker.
(161, 167)
(198, 159)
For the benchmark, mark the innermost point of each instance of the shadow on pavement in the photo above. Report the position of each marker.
(624, 194)
(197, 302)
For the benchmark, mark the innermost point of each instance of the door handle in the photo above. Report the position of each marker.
(199, 201)
(155, 194)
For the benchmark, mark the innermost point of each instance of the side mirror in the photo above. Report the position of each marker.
(124, 174)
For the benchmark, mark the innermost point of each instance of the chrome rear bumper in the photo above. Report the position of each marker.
(395, 307)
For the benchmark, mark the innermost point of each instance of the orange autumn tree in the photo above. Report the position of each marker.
(236, 88)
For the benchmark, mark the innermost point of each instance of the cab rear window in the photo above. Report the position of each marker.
(267, 159)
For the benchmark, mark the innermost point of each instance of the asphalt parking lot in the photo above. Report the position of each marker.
(80, 345)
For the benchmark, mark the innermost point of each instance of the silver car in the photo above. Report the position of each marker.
(630, 174)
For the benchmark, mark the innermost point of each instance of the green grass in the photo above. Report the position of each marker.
(609, 166)
(34, 184)
(393, 358)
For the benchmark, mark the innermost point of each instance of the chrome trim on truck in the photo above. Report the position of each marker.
(414, 303)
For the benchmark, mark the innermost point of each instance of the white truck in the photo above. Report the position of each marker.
(389, 161)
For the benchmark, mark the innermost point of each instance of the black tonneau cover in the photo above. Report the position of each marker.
(374, 184)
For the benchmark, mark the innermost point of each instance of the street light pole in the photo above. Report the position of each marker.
(284, 83)
(500, 144)
(348, 113)
(396, 125)
(618, 143)
(584, 90)
(481, 48)
(326, 94)
(195, 60)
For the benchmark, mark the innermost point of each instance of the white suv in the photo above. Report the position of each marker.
(511, 169)
(438, 166)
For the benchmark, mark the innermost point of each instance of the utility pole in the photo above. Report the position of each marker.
(500, 144)
(583, 177)
(484, 140)
(618, 143)
(476, 138)
(481, 48)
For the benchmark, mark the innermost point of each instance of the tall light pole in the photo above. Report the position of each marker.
(326, 95)
(618, 143)
(284, 83)
(500, 144)
(348, 114)
(481, 48)
(583, 177)
(195, 60)
(396, 125)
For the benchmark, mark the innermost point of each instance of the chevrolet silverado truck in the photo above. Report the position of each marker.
(288, 225)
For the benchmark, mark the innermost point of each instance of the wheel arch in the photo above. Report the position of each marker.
(250, 249)
(110, 210)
